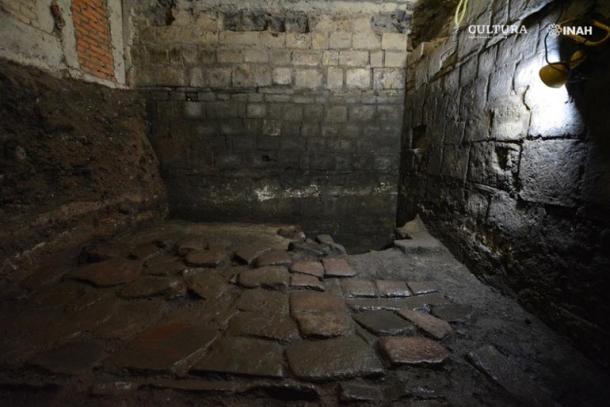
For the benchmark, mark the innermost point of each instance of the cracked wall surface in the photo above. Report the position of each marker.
(277, 111)
(514, 175)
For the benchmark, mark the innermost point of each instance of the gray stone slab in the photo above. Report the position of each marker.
(432, 325)
(385, 323)
(392, 288)
(422, 287)
(507, 374)
(413, 350)
(243, 356)
(419, 245)
(353, 287)
(453, 312)
(333, 359)
(395, 304)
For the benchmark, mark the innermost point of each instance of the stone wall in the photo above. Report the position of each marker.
(511, 174)
(75, 164)
(285, 111)
(74, 38)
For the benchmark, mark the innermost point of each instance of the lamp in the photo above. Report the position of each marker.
(556, 74)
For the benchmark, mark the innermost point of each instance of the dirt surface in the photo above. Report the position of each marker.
(217, 314)
(75, 164)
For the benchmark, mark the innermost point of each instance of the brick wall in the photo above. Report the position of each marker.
(511, 174)
(93, 40)
(285, 115)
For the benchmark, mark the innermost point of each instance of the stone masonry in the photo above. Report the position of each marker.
(264, 114)
(511, 174)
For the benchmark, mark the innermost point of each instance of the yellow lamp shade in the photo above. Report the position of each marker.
(555, 75)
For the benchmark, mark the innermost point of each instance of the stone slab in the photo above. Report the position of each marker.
(108, 273)
(314, 268)
(275, 277)
(419, 245)
(315, 302)
(150, 286)
(308, 247)
(507, 374)
(306, 282)
(191, 244)
(335, 267)
(250, 252)
(395, 304)
(71, 359)
(146, 251)
(385, 323)
(333, 359)
(432, 325)
(263, 301)
(276, 327)
(453, 312)
(207, 258)
(164, 266)
(422, 287)
(324, 325)
(353, 287)
(392, 288)
(205, 284)
(274, 258)
(351, 392)
(414, 350)
(102, 251)
(164, 348)
(243, 356)
(131, 318)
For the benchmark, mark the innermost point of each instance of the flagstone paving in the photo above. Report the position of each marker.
(190, 314)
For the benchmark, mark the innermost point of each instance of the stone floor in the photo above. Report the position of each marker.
(247, 315)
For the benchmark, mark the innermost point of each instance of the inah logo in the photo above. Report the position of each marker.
(555, 30)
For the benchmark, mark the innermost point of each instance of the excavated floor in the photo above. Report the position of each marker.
(255, 315)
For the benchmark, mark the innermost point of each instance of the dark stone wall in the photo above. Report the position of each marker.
(279, 115)
(512, 175)
(75, 164)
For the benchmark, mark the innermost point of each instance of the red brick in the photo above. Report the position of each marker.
(93, 37)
